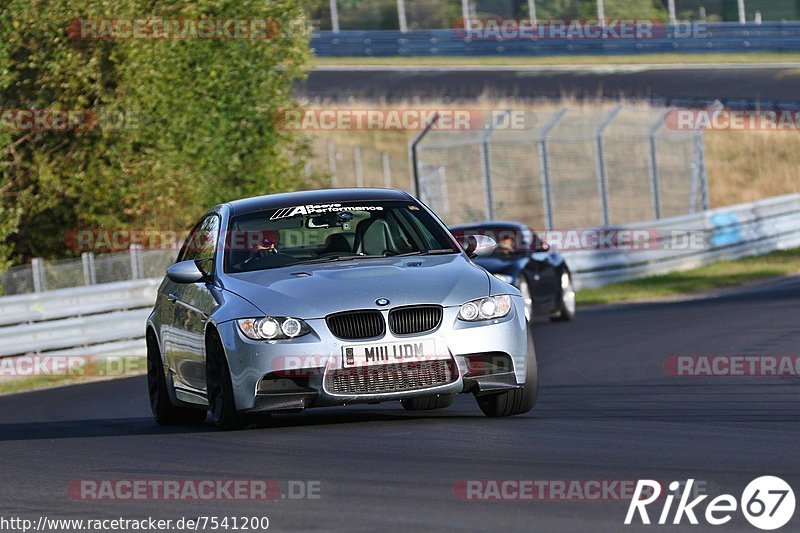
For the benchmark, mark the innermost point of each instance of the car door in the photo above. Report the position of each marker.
(193, 303)
(542, 271)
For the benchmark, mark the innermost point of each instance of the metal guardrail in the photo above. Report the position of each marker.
(108, 320)
(716, 37)
(690, 241)
(83, 320)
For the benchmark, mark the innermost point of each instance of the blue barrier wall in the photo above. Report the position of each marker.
(720, 37)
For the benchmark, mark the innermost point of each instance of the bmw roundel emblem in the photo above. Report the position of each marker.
(382, 301)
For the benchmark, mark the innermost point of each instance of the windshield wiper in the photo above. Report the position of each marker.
(332, 258)
(435, 251)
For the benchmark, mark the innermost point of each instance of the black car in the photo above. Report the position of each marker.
(527, 262)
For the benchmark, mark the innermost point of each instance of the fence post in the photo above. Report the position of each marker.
(701, 155)
(357, 166)
(334, 16)
(412, 152)
(699, 177)
(136, 261)
(307, 171)
(89, 277)
(602, 183)
(332, 162)
(387, 170)
(655, 186)
(401, 16)
(486, 163)
(544, 164)
(37, 271)
(486, 171)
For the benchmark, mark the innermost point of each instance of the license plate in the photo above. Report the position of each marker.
(390, 353)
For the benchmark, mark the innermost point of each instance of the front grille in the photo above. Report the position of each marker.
(389, 378)
(416, 319)
(353, 325)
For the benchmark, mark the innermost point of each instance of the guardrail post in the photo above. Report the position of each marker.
(357, 166)
(137, 268)
(655, 186)
(89, 277)
(37, 271)
(602, 182)
(544, 164)
(332, 162)
(387, 170)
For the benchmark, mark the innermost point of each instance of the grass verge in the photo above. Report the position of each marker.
(563, 60)
(719, 275)
(92, 370)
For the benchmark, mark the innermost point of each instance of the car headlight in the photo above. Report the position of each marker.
(504, 277)
(271, 328)
(485, 308)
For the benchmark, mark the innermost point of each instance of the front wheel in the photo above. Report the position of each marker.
(566, 305)
(517, 401)
(221, 402)
(164, 413)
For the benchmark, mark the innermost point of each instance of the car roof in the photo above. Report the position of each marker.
(321, 196)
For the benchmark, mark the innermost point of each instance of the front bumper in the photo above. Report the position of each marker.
(310, 359)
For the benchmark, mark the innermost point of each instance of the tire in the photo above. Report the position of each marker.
(428, 403)
(566, 304)
(219, 387)
(164, 412)
(517, 401)
(527, 297)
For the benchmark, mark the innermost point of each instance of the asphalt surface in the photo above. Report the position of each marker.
(607, 411)
(734, 85)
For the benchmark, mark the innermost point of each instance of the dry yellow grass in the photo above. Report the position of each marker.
(742, 165)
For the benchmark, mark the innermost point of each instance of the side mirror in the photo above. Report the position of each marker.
(480, 246)
(185, 272)
(543, 247)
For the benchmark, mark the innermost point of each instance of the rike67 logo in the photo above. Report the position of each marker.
(767, 503)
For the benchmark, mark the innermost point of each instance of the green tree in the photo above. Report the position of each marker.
(199, 114)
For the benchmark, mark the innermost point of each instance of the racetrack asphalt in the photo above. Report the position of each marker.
(734, 85)
(607, 411)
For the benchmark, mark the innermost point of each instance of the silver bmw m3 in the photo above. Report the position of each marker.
(321, 298)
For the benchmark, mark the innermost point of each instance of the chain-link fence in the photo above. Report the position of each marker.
(89, 269)
(565, 169)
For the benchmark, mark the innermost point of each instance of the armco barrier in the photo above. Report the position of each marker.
(103, 320)
(717, 37)
(109, 319)
(726, 233)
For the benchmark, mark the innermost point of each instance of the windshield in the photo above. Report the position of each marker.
(343, 231)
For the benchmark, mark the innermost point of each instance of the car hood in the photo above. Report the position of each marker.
(316, 290)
